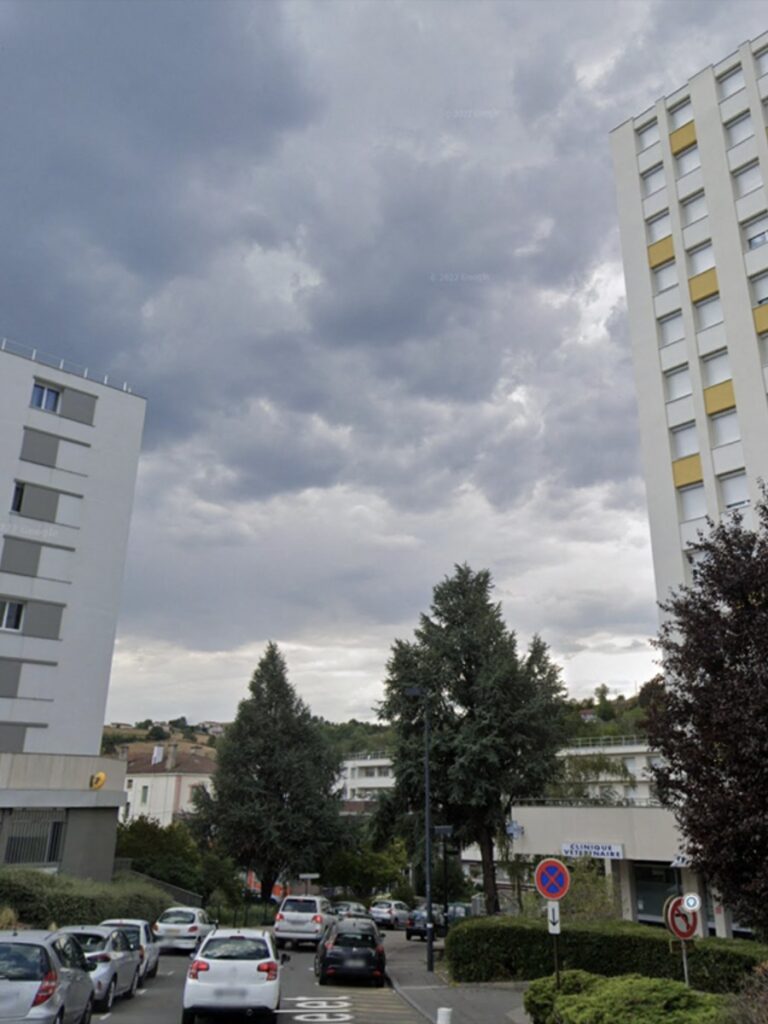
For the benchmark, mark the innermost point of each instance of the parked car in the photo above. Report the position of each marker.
(302, 919)
(458, 912)
(233, 972)
(416, 925)
(348, 909)
(352, 948)
(117, 962)
(182, 928)
(389, 913)
(140, 934)
(44, 978)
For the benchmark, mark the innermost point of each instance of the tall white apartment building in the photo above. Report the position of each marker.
(68, 462)
(691, 175)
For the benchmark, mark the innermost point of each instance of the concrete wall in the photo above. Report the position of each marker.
(89, 843)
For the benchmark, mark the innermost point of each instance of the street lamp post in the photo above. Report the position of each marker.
(418, 691)
(444, 832)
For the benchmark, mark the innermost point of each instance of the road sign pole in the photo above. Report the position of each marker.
(557, 963)
(683, 944)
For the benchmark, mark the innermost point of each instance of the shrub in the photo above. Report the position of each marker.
(630, 999)
(750, 1004)
(39, 899)
(497, 948)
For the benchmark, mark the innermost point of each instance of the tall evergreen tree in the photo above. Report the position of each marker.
(274, 806)
(494, 714)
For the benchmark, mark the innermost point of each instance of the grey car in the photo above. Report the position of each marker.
(44, 979)
(389, 913)
(140, 934)
(116, 962)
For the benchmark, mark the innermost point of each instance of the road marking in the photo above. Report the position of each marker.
(106, 1016)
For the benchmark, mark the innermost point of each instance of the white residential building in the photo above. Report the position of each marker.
(160, 783)
(365, 775)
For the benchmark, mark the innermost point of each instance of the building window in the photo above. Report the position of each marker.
(11, 614)
(684, 441)
(716, 368)
(653, 180)
(659, 227)
(18, 497)
(45, 397)
(129, 783)
(144, 794)
(708, 312)
(734, 490)
(693, 503)
(665, 277)
(725, 428)
(694, 208)
(680, 115)
(759, 287)
(688, 160)
(738, 130)
(761, 62)
(730, 83)
(755, 231)
(647, 135)
(702, 258)
(677, 383)
(747, 179)
(671, 329)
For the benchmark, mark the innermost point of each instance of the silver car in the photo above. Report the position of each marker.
(140, 933)
(117, 964)
(389, 913)
(44, 979)
(182, 928)
(302, 919)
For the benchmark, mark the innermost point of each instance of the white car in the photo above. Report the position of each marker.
(182, 928)
(302, 919)
(140, 933)
(389, 913)
(233, 972)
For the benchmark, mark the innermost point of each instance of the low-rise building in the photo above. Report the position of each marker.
(160, 781)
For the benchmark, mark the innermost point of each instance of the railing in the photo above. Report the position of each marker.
(589, 801)
(369, 755)
(36, 356)
(607, 741)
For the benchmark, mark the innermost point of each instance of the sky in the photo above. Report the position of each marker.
(362, 259)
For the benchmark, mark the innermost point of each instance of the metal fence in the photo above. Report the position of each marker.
(32, 837)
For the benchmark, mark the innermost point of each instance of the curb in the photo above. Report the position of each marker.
(407, 999)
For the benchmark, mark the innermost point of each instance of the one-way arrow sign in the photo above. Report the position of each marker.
(553, 917)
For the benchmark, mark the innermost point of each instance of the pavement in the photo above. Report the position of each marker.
(488, 1003)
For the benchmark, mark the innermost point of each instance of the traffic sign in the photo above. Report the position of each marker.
(680, 921)
(553, 917)
(552, 878)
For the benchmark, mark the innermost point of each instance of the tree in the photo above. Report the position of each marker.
(710, 720)
(168, 853)
(157, 732)
(494, 715)
(364, 871)
(274, 807)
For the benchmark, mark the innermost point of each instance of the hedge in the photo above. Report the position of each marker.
(39, 900)
(504, 948)
(630, 999)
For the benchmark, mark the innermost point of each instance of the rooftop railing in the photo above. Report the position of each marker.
(608, 741)
(15, 348)
(589, 801)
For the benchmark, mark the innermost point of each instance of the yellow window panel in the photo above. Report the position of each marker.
(661, 252)
(682, 138)
(703, 286)
(719, 397)
(687, 471)
(760, 314)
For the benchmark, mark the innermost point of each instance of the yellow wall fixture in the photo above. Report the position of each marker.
(760, 314)
(682, 138)
(719, 397)
(661, 252)
(703, 285)
(687, 471)
(97, 780)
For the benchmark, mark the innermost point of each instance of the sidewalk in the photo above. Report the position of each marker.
(490, 1003)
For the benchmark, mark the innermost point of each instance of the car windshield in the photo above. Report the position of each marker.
(89, 941)
(299, 906)
(236, 947)
(349, 940)
(177, 917)
(22, 962)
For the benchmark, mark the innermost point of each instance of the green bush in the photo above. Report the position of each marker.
(39, 899)
(631, 999)
(498, 948)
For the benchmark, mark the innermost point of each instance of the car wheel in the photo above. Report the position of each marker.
(105, 1004)
(408, 936)
(134, 985)
(280, 943)
(322, 979)
(188, 1017)
(152, 972)
(378, 982)
(87, 1012)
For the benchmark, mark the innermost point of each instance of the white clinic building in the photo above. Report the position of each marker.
(68, 467)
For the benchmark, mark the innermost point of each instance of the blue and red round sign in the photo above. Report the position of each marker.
(553, 879)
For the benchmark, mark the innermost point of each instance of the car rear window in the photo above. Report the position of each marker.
(177, 917)
(22, 962)
(236, 948)
(347, 940)
(382, 905)
(90, 941)
(295, 906)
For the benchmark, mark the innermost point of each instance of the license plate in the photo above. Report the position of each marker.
(172, 931)
(230, 993)
(356, 962)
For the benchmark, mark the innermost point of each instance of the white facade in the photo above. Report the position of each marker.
(365, 775)
(162, 797)
(68, 467)
(691, 176)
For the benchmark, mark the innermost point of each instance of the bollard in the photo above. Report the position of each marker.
(444, 1015)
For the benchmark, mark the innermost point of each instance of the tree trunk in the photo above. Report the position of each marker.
(268, 881)
(489, 871)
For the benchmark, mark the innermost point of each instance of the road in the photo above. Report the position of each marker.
(303, 1000)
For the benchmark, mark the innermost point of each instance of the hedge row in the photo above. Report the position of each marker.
(39, 900)
(498, 948)
(630, 999)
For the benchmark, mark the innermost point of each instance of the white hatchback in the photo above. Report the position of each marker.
(302, 919)
(233, 972)
(182, 928)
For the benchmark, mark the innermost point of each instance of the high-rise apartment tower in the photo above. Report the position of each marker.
(691, 176)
